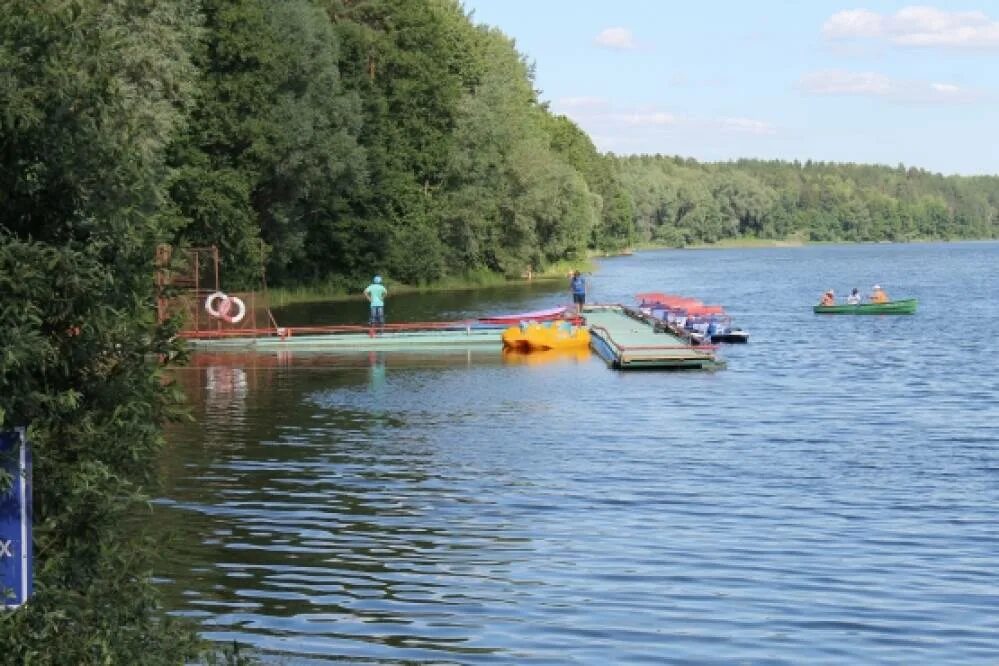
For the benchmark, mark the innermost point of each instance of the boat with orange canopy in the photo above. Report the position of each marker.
(691, 318)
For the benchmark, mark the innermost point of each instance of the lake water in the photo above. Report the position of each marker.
(831, 497)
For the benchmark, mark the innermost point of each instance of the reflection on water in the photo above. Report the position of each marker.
(516, 357)
(376, 361)
(831, 497)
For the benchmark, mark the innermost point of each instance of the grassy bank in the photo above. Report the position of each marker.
(751, 242)
(795, 240)
(476, 280)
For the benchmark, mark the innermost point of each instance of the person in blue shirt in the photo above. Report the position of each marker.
(578, 287)
(711, 330)
(376, 293)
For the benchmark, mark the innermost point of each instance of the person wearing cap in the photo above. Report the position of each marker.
(828, 298)
(878, 295)
(854, 298)
(376, 293)
(577, 285)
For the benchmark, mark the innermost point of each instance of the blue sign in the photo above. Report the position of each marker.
(15, 520)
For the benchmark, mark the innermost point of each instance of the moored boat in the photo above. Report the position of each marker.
(692, 320)
(732, 336)
(905, 306)
(551, 335)
(535, 315)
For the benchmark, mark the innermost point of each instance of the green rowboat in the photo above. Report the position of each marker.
(904, 307)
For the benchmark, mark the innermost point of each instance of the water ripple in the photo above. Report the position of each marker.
(829, 498)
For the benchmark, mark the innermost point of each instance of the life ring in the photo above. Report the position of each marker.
(210, 303)
(240, 310)
(224, 308)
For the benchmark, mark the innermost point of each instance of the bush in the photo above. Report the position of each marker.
(80, 367)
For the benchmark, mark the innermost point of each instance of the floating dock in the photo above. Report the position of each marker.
(397, 337)
(242, 323)
(624, 337)
(628, 340)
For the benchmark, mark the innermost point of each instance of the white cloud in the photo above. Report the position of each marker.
(646, 118)
(839, 82)
(582, 102)
(747, 126)
(615, 38)
(657, 128)
(853, 23)
(945, 88)
(604, 120)
(916, 26)
(872, 84)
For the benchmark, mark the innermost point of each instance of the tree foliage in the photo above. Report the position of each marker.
(680, 201)
(271, 148)
(76, 369)
(91, 92)
(333, 139)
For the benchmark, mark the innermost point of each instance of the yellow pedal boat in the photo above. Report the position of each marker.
(547, 335)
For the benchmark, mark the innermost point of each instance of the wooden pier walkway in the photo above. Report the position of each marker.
(628, 340)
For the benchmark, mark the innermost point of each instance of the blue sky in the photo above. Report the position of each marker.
(871, 82)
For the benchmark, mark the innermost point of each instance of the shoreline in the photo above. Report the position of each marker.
(282, 296)
(752, 243)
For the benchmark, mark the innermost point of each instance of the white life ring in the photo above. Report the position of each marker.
(240, 310)
(224, 307)
(210, 303)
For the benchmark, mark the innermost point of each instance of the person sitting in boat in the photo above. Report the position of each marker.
(828, 298)
(854, 298)
(879, 295)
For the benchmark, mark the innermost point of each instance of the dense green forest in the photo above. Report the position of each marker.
(330, 139)
(323, 140)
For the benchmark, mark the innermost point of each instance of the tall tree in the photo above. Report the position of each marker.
(615, 228)
(271, 152)
(409, 64)
(514, 203)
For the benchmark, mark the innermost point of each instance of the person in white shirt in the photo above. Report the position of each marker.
(854, 297)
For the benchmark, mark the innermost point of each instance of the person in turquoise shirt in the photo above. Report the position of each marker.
(376, 293)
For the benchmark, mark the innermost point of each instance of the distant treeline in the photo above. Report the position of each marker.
(679, 201)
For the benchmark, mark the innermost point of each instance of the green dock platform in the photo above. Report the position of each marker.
(353, 341)
(628, 340)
